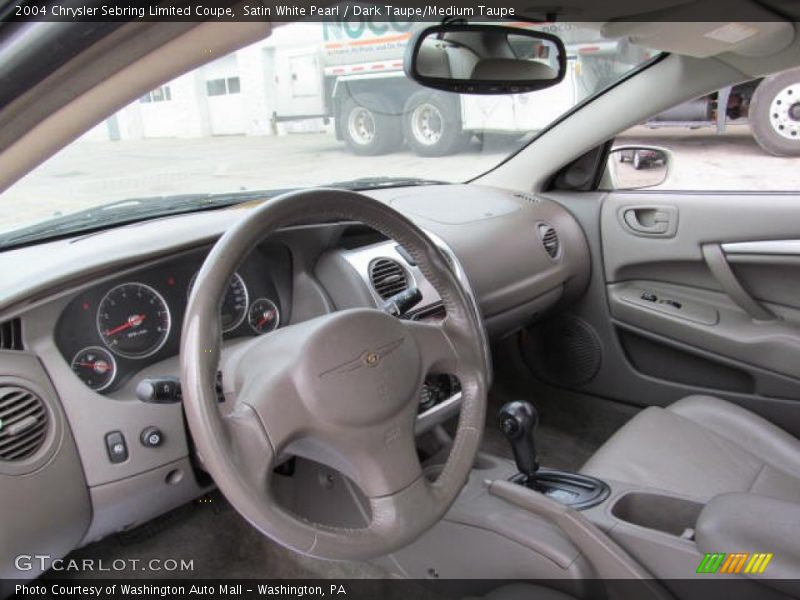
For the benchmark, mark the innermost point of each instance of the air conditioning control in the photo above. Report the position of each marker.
(151, 437)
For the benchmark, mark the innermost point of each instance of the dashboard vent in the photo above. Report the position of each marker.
(550, 241)
(11, 335)
(387, 277)
(23, 423)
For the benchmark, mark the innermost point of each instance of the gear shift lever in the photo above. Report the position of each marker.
(518, 419)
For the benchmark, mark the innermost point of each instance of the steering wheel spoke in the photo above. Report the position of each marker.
(280, 409)
(263, 373)
(436, 343)
(250, 445)
(381, 459)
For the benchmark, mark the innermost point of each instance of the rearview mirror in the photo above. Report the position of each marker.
(485, 59)
(637, 167)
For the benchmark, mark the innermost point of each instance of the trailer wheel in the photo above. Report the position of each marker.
(432, 124)
(370, 125)
(637, 160)
(775, 114)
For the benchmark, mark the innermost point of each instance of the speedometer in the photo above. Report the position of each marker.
(234, 305)
(133, 320)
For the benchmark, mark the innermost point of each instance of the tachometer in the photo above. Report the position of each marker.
(95, 367)
(263, 315)
(133, 320)
(234, 306)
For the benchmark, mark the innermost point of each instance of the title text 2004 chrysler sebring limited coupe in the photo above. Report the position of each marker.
(351, 326)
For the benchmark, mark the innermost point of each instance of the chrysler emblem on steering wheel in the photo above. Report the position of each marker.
(368, 358)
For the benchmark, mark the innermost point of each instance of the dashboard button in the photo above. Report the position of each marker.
(151, 437)
(161, 390)
(116, 447)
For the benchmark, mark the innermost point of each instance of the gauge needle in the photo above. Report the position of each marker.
(100, 365)
(268, 316)
(132, 321)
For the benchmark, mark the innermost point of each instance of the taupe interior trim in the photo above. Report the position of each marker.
(719, 267)
(779, 247)
(609, 559)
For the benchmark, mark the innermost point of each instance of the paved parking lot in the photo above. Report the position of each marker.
(93, 173)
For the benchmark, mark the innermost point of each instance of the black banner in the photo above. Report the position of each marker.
(700, 588)
(184, 589)
(376, 11)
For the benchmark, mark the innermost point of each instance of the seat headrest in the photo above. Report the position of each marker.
(510, 69)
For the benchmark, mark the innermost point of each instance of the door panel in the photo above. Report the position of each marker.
(710, 321)
(717, 312)
(692, 306)
(702, 218)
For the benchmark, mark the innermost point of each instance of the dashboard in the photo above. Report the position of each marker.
(85, 320)
(110, 332)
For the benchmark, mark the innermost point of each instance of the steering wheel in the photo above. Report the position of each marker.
(342, 388)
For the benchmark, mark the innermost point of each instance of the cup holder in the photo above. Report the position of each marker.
(668, 514)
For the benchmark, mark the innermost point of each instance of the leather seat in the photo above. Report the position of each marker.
(701, 447)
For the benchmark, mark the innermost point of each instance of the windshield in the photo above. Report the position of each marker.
(314, 104)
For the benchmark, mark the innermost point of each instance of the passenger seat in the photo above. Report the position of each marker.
(701, 447)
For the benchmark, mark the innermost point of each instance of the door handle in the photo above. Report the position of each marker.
(647, 220)
(651, 220)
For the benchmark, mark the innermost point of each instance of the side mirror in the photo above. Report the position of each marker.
(637, 167)
(485, 59)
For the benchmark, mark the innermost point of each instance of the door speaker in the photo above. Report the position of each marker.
(564, 350)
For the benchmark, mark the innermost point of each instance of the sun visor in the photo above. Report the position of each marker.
(705, 39)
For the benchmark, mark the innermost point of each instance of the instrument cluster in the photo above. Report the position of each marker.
(110, 331)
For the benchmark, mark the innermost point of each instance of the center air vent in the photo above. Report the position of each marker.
(549, 237)
(11, 335)
(387, 277)
(23, 423)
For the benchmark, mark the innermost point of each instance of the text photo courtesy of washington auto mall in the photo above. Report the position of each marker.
(400, 300)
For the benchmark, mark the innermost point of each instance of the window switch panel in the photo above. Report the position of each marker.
(649, 297)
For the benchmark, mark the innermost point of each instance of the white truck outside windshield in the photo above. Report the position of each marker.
(313, 104)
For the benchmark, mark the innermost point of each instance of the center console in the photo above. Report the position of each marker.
(576, 532)
(518, 422)
(656, 528)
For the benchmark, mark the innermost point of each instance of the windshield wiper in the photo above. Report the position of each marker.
(370, 183)
(125, 212)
